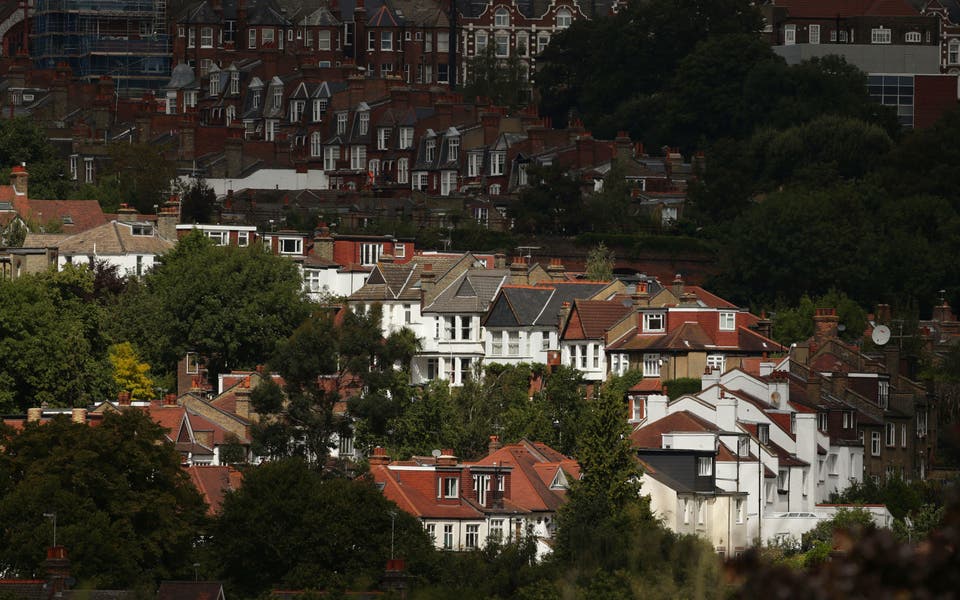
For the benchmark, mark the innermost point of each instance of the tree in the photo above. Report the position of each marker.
(52, 347)
(125, 510)
(611, 207)
(129, 374)
(600, 263)
(551, 204)
(198, 203)
(290, 526)
(23, 141)
(231, 305)
(137, 174)
(795, 324)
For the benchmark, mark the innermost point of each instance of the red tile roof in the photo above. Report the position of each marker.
(651, 435)
(74, 215)
(594, 317)
(213, 483)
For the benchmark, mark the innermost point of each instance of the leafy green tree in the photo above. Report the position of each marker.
(290, 526)
(429, 421)
(198, 203)
(129, 373)
(52, 348)
(611, 208)
(231, 305)
(551, 205)
(23, 141)
(125, 510)
(600, 263)
(795, 324)
(137, 174)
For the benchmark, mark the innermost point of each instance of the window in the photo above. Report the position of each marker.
(346, 446)
(564, 18)
(386, 41)
(823, 421)
(364, 122)
(251, 38)
(341, 123)
(501, 18)
(473, 533)
(448, 537)
(651, 365)
(191, 37)
(789, 35)
(319, 108)
(848, 419)
(243, 239)
(814, 34)
(383, 138)
(235, 82)
(743, 446)
(619, 363)
(481, 483)
(875, 443)
(448, 182)
(496, 530)
(270, 130)
(180, 30)
(358, 157)
(497, 162)
(453, 148)
(704, 466)
(701, 512)
(465, 366)
(406, 137)
(637, 406)
(523, 44)
(903, 435)
(443, 41)
(331, 154)
(686, 511)
(74, 165)
(833, 35)
(717, 362)
(728, 321)
(296, 110)
(420, 181)
(267, 36)
(883, 393)
(783, 480)
(219, 238)
(921, 422)
(832, 464)
(494, 190)
(193, 367)
(912, 37)
(843, 36)
(433, 368)
(88, 170)
(474, 164)
(450, 487)
(206, 37)
(653, 321)
(953, 52)
(502, 41)
(891, 430)
(763, 433)
(373, 167)
(880, 35)
(480, 41)
(513, 343)
(323, 40)
(403, 170)
(543, 40)
(741, 510)
(370, 254)
(466, 328)
(291, 245)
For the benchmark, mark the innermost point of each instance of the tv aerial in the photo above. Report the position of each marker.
(880, 335)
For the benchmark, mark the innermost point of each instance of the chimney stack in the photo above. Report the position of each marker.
(78, 415)
(518, 271)
(825, 323)
(494, 444)
(34, 415)
(19, 178)
(678, 287)
(447, 458)
(379, 457)
(123, 398)
(427, 279)
(556, 270)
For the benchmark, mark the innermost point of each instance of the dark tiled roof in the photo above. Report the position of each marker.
(650, 436)
(190, 590)
(847, 8)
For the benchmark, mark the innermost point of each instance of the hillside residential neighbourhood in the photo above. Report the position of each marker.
(354, 110)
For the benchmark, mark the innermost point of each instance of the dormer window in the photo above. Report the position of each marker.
(235, 82)
(256, 99)
(501, 18)
(823, 421)
(704, 466)
(653, 322)
(214, 84)
(341, 123)
(429, 149)
(743, 446)
(453, 148)
(277, 97)
(728, 321)
(364, 123)
(763, 433)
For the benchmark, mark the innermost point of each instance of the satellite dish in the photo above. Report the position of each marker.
(880, 335)
(435, 453)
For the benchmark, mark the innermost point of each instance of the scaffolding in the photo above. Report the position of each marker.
(123, 39)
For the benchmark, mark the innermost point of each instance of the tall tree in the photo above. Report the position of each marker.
(52, 347)
(600, 263)
(290, 526)
(137, 174)
(501, 80)
(23, 141)
(129, 373)
(126, 512)
(231, 305)
(551, 205)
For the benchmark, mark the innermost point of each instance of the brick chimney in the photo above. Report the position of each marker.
(556, 269)
(57, 567)
(123, 398)
(825, 323)
(624, 147)
(242, 409)
(19, 178)
(518, 271)
(563, 314)
(167, 219)
(233, 154)
(126, 213)
(34, 415)
(78, 415)
(494, 444)
(379, 457)
(499, 261)
(943, 313)
(427, 279)
(678, 286)
(447, 458)
(170, 400)
(883, 313)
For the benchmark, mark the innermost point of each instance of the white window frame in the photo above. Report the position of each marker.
(953, 52)
(881, 35)
(474, 163)
(875, 443)
(358, 157)
(370, 253)
(206, 37)
(406, 137)
(789, 35)
(453, 148)
(386, 41)
(564, 18)
(651, 364)
(728, 320)
(813, 34)
(912, 37)
(403, 170)
(650, 320)
(323, 39)
(498, 160)
(290, 245)
(717, 362)
(704, 466)
(501, 18)
(891, 431)
(331, 155)
(364, 122)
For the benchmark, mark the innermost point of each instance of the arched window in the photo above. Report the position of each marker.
(316, 144)
(501, 18)
(564, 18)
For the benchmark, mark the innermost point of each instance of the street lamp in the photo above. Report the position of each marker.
(53, 515)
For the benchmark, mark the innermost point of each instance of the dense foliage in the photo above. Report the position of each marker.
(124, 508)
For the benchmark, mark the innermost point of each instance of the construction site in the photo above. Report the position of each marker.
(126, 40)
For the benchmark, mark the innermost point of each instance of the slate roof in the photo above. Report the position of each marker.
(190, 590)
(24, 589)
(114, 238)
(536, 306)
(651, 435)
(471, 292)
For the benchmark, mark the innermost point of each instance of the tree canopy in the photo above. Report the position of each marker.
(125, 510)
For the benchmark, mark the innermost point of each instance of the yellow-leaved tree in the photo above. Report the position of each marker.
(129, 373)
